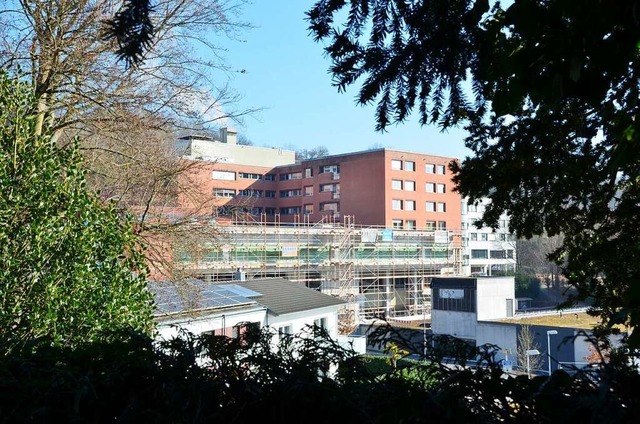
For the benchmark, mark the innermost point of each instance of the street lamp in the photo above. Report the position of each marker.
(530, 353)
(549, 334)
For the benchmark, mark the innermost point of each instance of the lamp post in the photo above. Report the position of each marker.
(530, 353)
(549, 334)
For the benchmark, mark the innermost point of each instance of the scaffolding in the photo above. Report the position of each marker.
(379, 272)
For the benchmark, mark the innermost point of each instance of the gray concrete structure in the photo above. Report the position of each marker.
(200, 147)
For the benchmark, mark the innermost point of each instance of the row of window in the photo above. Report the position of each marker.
(409, 185)
(293, 210)
(493, 254)
(408, 165)
(491, 236)
(306, 191)
(410, 205)
(410, 224)
(296, 175)
(503, 224)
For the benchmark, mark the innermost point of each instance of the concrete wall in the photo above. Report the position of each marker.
(216, 151)
(492, 295)
(457, 324)
(504, 336)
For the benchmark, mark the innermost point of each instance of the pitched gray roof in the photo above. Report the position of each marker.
(282, 296)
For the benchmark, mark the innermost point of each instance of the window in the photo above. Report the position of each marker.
(409, 165)
(484, 236)
(291, 176)
(396, 223)
(308, 191)
(224, 192)
(396, 184)
(497, 254)
(270, 211)
(329, 188)
(471, 208)
(308, 208)
(290, 211)
(330, 169)
(410, 225)
(250, 193)
(223, 175)
(430, 168)
(410, 185)
(440, 169)
(320, 323)
(284, 331)
(249, 176)
(329, 207)
(396, 205)
(291, 193)
(503, 237)
(410, 205)
(442, 225)
(238, 330)
(396, 164)
(430, 225)
(431, 188)
(269, 193)
(269, 177)
(441, 188)
(509, 254)
(442, 207)
(473, 236)
(308, 172)
(431, 206)
(479, 254)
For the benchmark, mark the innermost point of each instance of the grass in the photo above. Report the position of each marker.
(573, 320)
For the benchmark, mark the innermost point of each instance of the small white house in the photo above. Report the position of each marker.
(224, 308)
(458, 303)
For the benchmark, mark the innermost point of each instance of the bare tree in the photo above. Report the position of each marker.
(526, 341)
(533, 258)
(126, 115)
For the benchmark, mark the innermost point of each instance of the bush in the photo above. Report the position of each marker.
(527, 285)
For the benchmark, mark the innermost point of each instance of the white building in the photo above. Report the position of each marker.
(457, 304)
(226, 308)
(227, 150)
(488, 252)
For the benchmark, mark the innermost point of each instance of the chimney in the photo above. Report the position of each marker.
(229, 135)
(240, 275)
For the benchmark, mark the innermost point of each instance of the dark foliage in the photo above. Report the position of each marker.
(216, 379)
(551, 109)
(132, 29)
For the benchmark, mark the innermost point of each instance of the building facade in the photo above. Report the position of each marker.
(369, 227)
(389, 188)
(488, 251)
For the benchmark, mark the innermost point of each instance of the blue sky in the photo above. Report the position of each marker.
(287, 75)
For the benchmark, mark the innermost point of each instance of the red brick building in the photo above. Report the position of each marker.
(382, 187)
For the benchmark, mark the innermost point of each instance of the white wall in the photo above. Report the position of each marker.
(458, 324)
(493, 238)
(238, 154)
(503, 335)
(299, 320)
(492, 295)
(170, 328)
